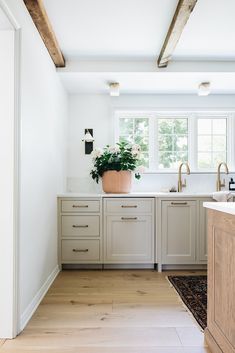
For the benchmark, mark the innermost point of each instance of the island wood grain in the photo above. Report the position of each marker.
(220, 333)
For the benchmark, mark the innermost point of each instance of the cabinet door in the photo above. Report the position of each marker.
(178, 232)
(202, 236)
(129, 239)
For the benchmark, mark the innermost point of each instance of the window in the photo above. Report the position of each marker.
(136, 130)
(211, 142)
(167, 139)
(172, 142)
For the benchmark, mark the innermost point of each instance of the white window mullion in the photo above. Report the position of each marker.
(192, 141)
(152, 143)
(116, 128)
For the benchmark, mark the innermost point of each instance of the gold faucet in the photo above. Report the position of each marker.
(180, 183)
(220, 184)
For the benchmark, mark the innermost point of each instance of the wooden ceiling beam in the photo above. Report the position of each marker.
(38, 13)
(181, 16)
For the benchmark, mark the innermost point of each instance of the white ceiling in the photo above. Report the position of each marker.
(135, 30)
(209, 32)
(110, 28)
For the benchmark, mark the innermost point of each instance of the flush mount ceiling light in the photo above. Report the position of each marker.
(114, 89)
(204, 89)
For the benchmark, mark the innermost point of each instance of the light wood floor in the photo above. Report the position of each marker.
(109, 312)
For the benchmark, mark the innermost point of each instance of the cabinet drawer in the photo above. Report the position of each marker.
(79, 206)
(129, 206)
(80, 250)
(72, 226)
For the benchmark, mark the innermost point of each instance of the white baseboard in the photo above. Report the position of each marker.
(31, 308)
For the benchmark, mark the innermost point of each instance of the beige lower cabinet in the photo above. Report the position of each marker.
(183, 231)
(129, 231)
(179, 231)
(80, 231)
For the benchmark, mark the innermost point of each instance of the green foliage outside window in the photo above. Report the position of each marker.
(169, 140)
(136, 131)
(172, 142)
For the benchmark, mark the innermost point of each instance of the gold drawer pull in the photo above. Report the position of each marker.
(80, 226)
(80, 250)
(129, 206)
(129, 218)
(80, 206)
(179, 203)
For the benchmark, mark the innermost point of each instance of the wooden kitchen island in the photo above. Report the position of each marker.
(220, 331)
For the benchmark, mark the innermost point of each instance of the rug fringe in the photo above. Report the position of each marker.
(183, 305)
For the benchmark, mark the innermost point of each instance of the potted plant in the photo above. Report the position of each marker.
(115, 166)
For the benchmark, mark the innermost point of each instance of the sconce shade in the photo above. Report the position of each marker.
(88, 137)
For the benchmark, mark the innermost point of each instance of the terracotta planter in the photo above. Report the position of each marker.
(114, 182)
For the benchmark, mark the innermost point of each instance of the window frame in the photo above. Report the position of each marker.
(209, 116)
(192, 117)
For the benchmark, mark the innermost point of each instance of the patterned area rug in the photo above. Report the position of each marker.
(193, 292)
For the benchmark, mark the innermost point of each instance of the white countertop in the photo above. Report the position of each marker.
(226, 207)
(139, 194)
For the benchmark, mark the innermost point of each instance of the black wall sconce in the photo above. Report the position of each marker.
(88, 139)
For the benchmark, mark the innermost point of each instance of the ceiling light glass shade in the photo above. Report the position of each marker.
(204, 89)
(114, 89)
(88, 137)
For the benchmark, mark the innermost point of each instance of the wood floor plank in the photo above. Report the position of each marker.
(2, 342)
(109, 312)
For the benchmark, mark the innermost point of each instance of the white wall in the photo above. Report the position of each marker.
(97, 112)
(43, 162)
(86, 111)
(7, 181)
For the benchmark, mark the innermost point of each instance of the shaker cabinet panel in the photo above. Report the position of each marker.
(178, 231)
(129, 239)
(220, 331)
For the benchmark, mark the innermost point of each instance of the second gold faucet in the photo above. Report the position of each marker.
(220, 184)
(180, 183)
